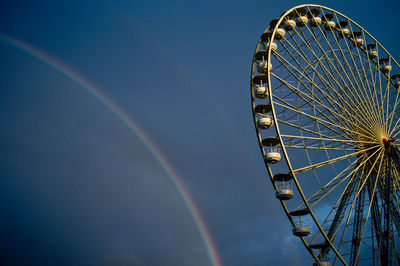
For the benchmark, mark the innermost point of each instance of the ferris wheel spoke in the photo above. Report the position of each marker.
(310, 141)
(351, 106)
(302, 128)
(332, 184)
(302, 73)
(326, 82)
(288, 106)
(318, 198)
(329, 71)
(372, 168)
(317, 148)
(318, 58)
(368, 95)
(346, 68)
(391, 127)
(332, 66)
(376, 78)
(348, 142)
(396, 127)
(381, 93)
(391, 115)
(387, 101)
(312, 98)
(310, 101)
(316, 144)
(322, 122)
(317, 165)
(341, 69)
(345, 62)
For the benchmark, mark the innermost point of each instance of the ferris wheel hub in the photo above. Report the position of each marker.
(387, 142)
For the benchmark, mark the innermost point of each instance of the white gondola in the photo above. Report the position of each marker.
(301, 21)
(315, 21)
(386, 65)
(359, 42)
(301, 230)
(273, 156)
(372, 54)
(386, 69)
(280, 33)
(265, 122)
(261, 92)
(273, 45)
(284, 192)
(330, 25)
(396, 80)
(263, 66)
(290, 24)
(344, 32)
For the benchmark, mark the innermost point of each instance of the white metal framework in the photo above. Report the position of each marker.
(331, 90)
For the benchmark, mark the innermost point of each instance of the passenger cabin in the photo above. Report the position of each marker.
(273, 46)
(261, 57)
(265, 122)
(356, 39)
(264, 66)
(302, 18)
(263, 108)
(372, 54)
(280, 33)
(266, 36)
(274, 22)
(313, 14)
(396, 80)
(343, 32)
(284, 191)
(301, 21)
(272, 155)
(301, 229)
(329, 23)
(281, 177)
(385, 62)
(261, 92)
(290, 24)
(259, 80)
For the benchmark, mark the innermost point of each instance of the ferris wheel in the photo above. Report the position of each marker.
(325, 100)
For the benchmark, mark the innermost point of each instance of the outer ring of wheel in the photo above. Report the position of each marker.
(278, 131)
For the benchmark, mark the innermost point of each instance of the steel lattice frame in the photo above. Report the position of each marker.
(333, 95)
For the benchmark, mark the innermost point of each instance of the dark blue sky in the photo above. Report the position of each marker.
(78, 188)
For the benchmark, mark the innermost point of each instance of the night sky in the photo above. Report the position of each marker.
(79, 186)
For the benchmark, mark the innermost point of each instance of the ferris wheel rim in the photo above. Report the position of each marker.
(277, 123)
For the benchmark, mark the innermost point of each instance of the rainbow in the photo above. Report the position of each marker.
(134, 127)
